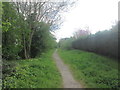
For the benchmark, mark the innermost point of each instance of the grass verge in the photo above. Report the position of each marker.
(34, 73)
(94, 71)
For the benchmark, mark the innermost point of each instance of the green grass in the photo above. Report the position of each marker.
(92, 70)
(34, 73)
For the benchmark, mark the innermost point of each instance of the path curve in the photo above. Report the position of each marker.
(68, 80)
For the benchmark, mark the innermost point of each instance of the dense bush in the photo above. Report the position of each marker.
(11, 33)
(103, 42)
(8, 67)
(42, 40)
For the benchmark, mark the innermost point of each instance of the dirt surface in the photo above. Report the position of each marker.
(68, 80)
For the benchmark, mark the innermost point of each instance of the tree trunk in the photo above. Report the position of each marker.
(30, 42)
(25, 53)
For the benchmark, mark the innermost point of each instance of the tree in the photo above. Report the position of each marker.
(81, 33)
(34, 12)
(22, 21)
(11, 34)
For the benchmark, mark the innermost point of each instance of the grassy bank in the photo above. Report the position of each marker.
(94, 71)
(34, 73)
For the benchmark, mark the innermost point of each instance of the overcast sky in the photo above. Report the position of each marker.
(97, 14)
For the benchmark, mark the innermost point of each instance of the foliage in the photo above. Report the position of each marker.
(34, 73)
(11, 34)
(102, 42)
(8, 67)
(66, 43)
(42, 40)
(22, 37)
(34, 13)
(92, 70)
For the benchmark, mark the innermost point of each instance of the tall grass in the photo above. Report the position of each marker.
(34, 73)
(94, 71)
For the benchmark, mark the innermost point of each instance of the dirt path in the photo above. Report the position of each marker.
(68, 80)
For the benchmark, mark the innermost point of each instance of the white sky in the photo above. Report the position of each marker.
(97, 14)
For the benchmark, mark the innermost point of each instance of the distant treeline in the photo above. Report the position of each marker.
(102, 42)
